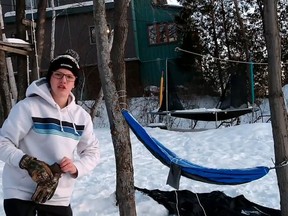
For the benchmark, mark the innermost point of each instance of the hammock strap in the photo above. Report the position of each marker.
(282, 164)
(174, 174)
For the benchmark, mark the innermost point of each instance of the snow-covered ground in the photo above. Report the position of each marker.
(245, 145)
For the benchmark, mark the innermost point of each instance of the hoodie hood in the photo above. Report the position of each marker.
(41, 88)
(38, 127)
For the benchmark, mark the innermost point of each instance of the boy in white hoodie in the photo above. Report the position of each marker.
(38, 141)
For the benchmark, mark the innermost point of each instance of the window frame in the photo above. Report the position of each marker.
(161, 33)
(92, 35)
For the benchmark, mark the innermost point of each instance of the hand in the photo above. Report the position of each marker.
(45, 190)
(67, 166)
(38, 170)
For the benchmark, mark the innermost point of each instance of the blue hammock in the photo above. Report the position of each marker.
(179, 166)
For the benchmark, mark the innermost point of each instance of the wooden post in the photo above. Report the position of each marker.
(11, 77)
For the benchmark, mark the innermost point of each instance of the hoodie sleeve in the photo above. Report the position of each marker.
(88, 150)
(15, 127)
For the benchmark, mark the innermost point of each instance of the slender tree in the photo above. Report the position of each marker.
(5, 98)
(22, 75)
(121, 140)
(216, 52)
(125, 173)
(279, 119)
(100, 95)
(118, 48)
(11, 77)
(53, 22)
(246, 47)
(39, 39)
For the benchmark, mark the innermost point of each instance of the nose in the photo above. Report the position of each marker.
(63, 78)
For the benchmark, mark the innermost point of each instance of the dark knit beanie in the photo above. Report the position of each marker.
(69, 60)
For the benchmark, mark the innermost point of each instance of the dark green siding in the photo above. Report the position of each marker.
(152, 57)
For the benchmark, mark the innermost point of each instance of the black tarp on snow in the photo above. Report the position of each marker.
(215, 203)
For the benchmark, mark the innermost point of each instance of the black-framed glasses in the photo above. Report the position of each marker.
(60, 75)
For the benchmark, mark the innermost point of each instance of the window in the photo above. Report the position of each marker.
(160, 33)
(92, 34)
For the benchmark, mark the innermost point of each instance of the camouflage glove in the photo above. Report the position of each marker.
(45, 190)
(38, 170)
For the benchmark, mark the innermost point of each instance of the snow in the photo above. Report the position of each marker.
(242, 146)
(61, 7)
(74, 5)
(17, 41)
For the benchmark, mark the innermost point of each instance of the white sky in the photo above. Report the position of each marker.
(172, 2)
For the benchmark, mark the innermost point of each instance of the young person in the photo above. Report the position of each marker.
(38, 141)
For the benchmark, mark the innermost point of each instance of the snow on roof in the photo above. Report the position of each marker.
(77, 5)
(61, 7)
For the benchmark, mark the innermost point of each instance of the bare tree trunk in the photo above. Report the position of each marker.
(53, 22)
(126, 199)
(216, 51)
(22, 73)
(276, 100)
(40, 39)
(118, 49)
(11, 77)
(6, 104)
(245, 43)
(121, 142)
(96, 104)
(100, 95)
(12, 81)
(242, 30)
(225, 29)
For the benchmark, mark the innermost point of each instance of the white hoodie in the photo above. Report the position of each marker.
(37, 126)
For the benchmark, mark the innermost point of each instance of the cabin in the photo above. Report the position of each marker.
(152, 39)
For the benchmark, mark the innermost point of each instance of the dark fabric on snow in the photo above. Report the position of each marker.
(215, 203)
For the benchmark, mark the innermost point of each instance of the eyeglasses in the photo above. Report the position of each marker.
(60, 75)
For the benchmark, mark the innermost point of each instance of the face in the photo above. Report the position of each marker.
(62, 82)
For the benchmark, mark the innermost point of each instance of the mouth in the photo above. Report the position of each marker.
(61, 87)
